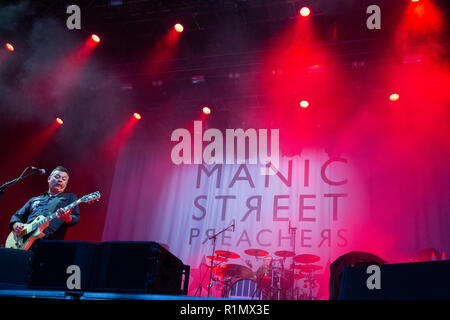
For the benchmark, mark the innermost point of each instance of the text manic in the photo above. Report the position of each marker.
(261, 207)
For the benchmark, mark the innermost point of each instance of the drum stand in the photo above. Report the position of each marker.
(293, 230)
(310, 284)
(198, 292)
(214, 238)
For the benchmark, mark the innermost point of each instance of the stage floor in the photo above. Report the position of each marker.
(87, 295)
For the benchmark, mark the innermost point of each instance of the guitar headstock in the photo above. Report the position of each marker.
(90, 197)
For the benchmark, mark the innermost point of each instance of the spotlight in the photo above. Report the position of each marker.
(137, 116)
(59, 121)
(9, 46)
(414, 0)
(305, 11)
(394, 97)
(206, 110)
(95, 38)
(304, 104)
(179, 27)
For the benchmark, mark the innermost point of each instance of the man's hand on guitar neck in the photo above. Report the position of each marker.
(64, 215)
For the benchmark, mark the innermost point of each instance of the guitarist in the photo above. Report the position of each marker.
(54, 199)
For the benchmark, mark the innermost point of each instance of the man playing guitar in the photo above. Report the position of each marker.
(53, 199)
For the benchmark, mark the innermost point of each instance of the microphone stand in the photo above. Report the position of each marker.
(293, 230)
(214, 238)
(14, 181)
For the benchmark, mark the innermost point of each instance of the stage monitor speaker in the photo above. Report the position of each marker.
(52, 260)
(138, 267)
(350, 259)
(402, 281)
(15, 268)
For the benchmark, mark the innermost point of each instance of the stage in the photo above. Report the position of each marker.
(224, 150)
(86, 295)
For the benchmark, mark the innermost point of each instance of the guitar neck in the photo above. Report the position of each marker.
(53, 215)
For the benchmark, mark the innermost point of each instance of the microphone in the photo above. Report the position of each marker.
(40, 171)
(234, 225)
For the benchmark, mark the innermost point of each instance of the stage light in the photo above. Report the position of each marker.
(59, 121)
(304, 104)
(206, 110)
(394, 97)
(137, 116)
(414, 0)
(179, 27)
(9, 46)
(95, 38)
(304, 11)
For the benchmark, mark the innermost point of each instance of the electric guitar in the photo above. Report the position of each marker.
(34, 230)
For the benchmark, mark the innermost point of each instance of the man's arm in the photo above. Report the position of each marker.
(70, 217)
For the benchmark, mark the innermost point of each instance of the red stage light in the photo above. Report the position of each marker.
(394, 97)
(59, 121)
(95, 38)
(206, 110)
(137, 116)
(179, 27)
(9, 46)
(304, 104)
(304, 11)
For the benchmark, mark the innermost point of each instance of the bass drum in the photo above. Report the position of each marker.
(265, 280)
(245, 289)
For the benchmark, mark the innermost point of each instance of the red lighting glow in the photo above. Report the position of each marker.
(95, 38)
(206, 110)
(9, 46)
(137, 116)
(394, 97)
(304, 104)
(59, 121)
(304, 11)
(179, 27)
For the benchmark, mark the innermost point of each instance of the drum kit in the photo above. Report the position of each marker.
(272, 280)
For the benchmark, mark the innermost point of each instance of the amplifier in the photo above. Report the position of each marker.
(138, 267)
(53, 258)
(15, 268)
(402, 281)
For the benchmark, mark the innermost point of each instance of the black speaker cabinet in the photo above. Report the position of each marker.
(138, 267)
(15, 268)
(52, 260)
(402, 281)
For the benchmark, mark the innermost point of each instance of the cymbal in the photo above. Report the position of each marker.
(308, 267)
(227, 254)
(256, 252)
(217, 258)
(237, 271)
(285, 254)
(306, 258)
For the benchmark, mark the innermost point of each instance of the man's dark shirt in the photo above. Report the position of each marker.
(45, 205)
